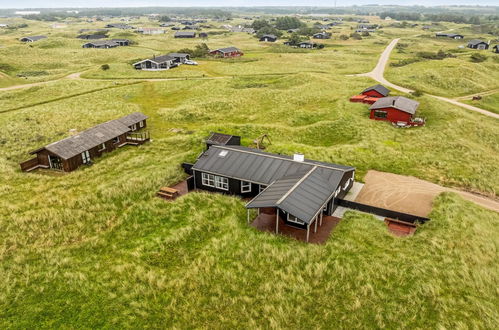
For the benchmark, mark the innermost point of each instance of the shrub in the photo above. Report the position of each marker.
(404, 62)
(7, 68)
(365, 34)
(417, 93)
(344, 37)
(355, 36)
(477, 58)
(105, 67)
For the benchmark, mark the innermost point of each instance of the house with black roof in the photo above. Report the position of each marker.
(268, 38)
(185, 34)
(478, 44)
(32, 38)
(68, 154)
(322, 35)
(299, 190)
(180, 58)
(495, 49)
(157, 63)
(92, 36)
(119, 26)
(449, 35)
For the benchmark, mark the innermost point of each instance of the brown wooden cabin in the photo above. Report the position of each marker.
(68, 154)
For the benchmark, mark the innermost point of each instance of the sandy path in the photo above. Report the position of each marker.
(410, 195)
(378, 74)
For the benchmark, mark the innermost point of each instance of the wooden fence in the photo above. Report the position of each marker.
(29, 164)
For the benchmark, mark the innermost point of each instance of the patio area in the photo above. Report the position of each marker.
(265, 221)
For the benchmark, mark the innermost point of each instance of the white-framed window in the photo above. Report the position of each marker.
(102, 147)
(380, 114)
(245, 186)
(208, 179)
(293, 219)
(116, 140)
(85, 156)
(347, 184)
(141, 123)
(221, 183)
(133, 127)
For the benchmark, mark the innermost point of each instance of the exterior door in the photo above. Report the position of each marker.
(85, 156)
(55, 162)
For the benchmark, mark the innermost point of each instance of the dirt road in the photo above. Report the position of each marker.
(410, 195)
(378, 74)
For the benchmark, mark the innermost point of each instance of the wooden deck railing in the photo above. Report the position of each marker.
(138, 137)
(29, 164)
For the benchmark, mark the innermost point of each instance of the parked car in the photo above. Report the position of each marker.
(189, 62)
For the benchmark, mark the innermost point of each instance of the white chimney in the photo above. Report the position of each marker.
(298, 157)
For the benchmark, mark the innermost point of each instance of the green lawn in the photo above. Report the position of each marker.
(95, 248)
(488, 102)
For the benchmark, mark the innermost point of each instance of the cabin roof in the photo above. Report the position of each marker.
(103, 43)
(378, 88)
(302, 195)
(158, 59)
(185, 33)
(398, 102)
(227, 49)
(92, 137)
(476, 42)
(257, 166)
(219, 138)
(34, 38)
(183, 55)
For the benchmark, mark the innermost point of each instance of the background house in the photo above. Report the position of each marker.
(268, 38)
(32, 38)
(227, 52)
(157, 63)
(185, 34)
(478, 44)
(395, 109)
(70, 153)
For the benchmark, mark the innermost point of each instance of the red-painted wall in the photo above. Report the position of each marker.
(393, 115)
(373, 93)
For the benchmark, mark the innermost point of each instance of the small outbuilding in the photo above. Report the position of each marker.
(220, 139)
(32, 38)
(449, 35)
(478, 44)
(268, 38)
(376, 91)
(180, 58)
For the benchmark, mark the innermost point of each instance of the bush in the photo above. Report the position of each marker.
(417, 93)
(404, 62)
(365, 34)
(440, 55)
(477, 58)
(344, 37)
(355, 36)
(7, 68)
(105, 67)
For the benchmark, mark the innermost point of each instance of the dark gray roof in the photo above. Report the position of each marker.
(219, 138)
(93, 137)
(182, 55)
(184, 34)
(158, 59)
(97, 43)
(132, 118)
(258, 166)
(227, 49)
(301, 195)
(398, 102)
(475, 42)
(34, 38)
(378, 88)
(269, 36)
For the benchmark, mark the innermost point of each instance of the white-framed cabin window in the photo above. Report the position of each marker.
(245, 186)
(102, 147)
(133, 127)
(116, 140)
(85, 156)
(293, 219)
(141, 123)
(221, 183)
(208, 179)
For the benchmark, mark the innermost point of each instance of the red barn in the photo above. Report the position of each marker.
(227, 52)
(396, 109)
(376, 91)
